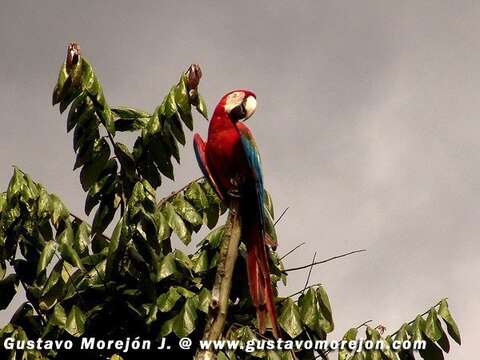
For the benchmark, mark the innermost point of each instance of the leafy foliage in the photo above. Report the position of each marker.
(80, 282)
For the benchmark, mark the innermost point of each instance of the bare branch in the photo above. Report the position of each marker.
(423, 314)
(324, 261)
(301, 291)
(291, 251)
(281, 216)
(309, 272)
(223, 281)
(165, 199)
(363, 324)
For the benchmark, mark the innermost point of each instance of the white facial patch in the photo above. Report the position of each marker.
(234, 99)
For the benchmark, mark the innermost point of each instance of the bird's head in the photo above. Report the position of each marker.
(238, 105)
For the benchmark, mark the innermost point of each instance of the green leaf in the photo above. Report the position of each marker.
(113, 246)
(176, 129)
(82, 238)
(269, 204)
(167, 327)
(163, 229)
(62, 76)
(96, 276)
(387, 350)
(80, 106)
(66, 236)
(309, 309)
(290, 319)
(182, 99)
(58, 317)
(8, 290)
(70, 255)
(75, 324)
(167, 267)
(433, 328)
(431, 352)
(350, 335)
(92, 170)
(200, 262)
(3, 201)
(417, 328)
(167, 301)
(128, 112)
(105, 213)
(204, 297)
(152, 314)
(359, 356)
(54, 277)
(202, 107)
(176, 223)
(184, 292)
(3, 269)
(195, 194)
(169, 106)
(161, 156)
(185, 320)
(187, 211)
(402, 334)
(452, 327)
(57, 209)
(374, 335)
(46, 256)
(131, 124)
(16, 184)
(214, 238)
(126, 159)
(326, 318)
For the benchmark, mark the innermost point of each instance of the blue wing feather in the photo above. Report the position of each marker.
(254, 162)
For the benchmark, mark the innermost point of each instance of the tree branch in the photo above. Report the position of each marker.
(323, 261)
(291, 251)
(309, 272)
(165, 199)
(423, 314)
(78, 218)
(223, 281)
(281, 216)
(301, 291)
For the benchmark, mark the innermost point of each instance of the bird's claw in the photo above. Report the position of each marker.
(234, 193)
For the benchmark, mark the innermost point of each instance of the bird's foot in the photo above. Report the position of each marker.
(234, 193)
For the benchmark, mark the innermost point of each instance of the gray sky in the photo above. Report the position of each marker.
(367, 124)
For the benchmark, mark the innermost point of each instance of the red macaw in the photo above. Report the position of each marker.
(231, 162)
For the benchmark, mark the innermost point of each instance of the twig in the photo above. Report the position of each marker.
(356, 327)
(217, 313)
(309, 272)
(363, 324)
(291, 251)
(281, 216)
(78, 218)
(423, 314)
(95, 266)
(165, 199)
(301, 291)
(114, 145)
(323, 261)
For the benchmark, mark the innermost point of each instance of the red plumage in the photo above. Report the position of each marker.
(226, 159)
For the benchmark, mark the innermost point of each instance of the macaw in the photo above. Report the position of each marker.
(230, 160)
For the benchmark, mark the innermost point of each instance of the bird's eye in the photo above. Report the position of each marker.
(238, 112)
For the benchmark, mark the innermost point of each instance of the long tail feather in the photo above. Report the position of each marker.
(261, 290)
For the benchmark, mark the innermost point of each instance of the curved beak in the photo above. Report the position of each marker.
(250, 106)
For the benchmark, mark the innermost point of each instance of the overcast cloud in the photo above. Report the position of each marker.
(368, 126)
